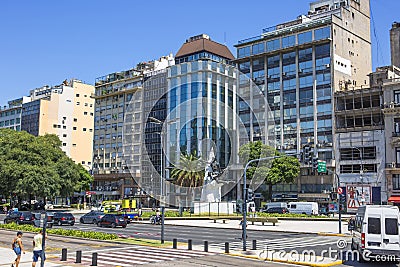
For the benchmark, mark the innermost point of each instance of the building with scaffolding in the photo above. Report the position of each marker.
(299, 65)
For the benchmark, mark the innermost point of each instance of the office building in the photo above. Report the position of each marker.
(200, 105)
(65, 110)
(299, 65)
(10, 116)
(395, 44)
(118, 134)
(387, 79)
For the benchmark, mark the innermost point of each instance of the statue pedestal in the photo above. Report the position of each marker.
(225, 208)
(211, 192)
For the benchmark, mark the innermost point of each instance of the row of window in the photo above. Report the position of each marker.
(10, 122)
(284, 42)
(10, 113)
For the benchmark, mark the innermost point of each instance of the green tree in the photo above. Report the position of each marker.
(189, 172)
(36, 166)
(284, 169)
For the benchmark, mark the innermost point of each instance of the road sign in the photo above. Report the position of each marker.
(340, 191)
(321, 166)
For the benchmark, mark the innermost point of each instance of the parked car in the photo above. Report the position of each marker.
(20, 217)
(376, 230)
(61, 218)
(279, 210)
(112, 220)
(92, 217)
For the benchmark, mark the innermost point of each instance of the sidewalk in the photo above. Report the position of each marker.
(8, 257)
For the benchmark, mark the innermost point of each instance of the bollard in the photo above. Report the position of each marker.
(190, 244)
(226, 247)
(64, 254)
(94, 259)
(78, 256)
(254, 246)
(205, 246)
(174, 243)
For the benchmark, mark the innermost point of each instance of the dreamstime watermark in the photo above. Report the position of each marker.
(340, 252)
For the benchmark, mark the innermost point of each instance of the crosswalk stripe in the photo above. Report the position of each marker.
(159, 254)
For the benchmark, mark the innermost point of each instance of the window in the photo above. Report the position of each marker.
(64, 135)
(244, 52)
(322, 33)
(64, 144)
(74, 128)
(85, 113)
(84, 129)
(304, 37)
(75, 119)
(258, 48)
(396, 181)
(374, 226)
(288, 41)
(74, 145)
(391, 226)
(273, 45)
(78, 103)
(397, 97)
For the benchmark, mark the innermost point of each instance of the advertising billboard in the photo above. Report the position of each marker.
(358, 195)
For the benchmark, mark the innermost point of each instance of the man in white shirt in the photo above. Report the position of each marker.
(37, 248)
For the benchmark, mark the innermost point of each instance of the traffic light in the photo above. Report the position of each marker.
(250, 195)
(307, 154)
(315, 164)
(342, 198)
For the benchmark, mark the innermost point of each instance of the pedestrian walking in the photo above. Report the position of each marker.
(18, 248)
(37, 248)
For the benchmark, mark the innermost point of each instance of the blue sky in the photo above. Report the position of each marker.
(44, 42)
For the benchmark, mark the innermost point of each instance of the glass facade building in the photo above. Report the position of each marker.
(299, 65)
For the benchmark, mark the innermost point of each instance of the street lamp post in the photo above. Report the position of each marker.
(162, 204)
(244, 209)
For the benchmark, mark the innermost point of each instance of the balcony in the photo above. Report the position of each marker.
(393, 165)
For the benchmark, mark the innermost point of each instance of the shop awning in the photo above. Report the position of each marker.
(394, 199)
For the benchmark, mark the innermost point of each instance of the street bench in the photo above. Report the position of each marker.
(224, 220)
(263, 220)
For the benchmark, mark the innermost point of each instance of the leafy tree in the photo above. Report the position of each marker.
(36, 166)
(283, 169)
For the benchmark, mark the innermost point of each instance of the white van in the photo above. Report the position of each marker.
(376, 232)
(274, 205)
(309, 208)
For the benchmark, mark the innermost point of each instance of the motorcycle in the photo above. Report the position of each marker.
(154, 219)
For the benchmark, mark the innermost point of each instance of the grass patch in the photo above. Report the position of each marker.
(63, 232)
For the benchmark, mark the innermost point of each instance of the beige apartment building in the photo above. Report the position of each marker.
(66, 110)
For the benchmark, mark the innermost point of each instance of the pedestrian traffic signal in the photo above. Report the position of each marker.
(307, 154)
(315, 164)
(250, 195)
(342, 198)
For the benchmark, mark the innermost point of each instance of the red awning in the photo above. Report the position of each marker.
(394, 199)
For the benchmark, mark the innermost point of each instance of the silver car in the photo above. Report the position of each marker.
(92, 217)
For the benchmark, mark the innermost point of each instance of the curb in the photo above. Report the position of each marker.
(333, 234)
(254, 257)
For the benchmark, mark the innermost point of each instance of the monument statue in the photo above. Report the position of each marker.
(211, 191)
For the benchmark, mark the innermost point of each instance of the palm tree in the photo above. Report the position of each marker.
(189, 172)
